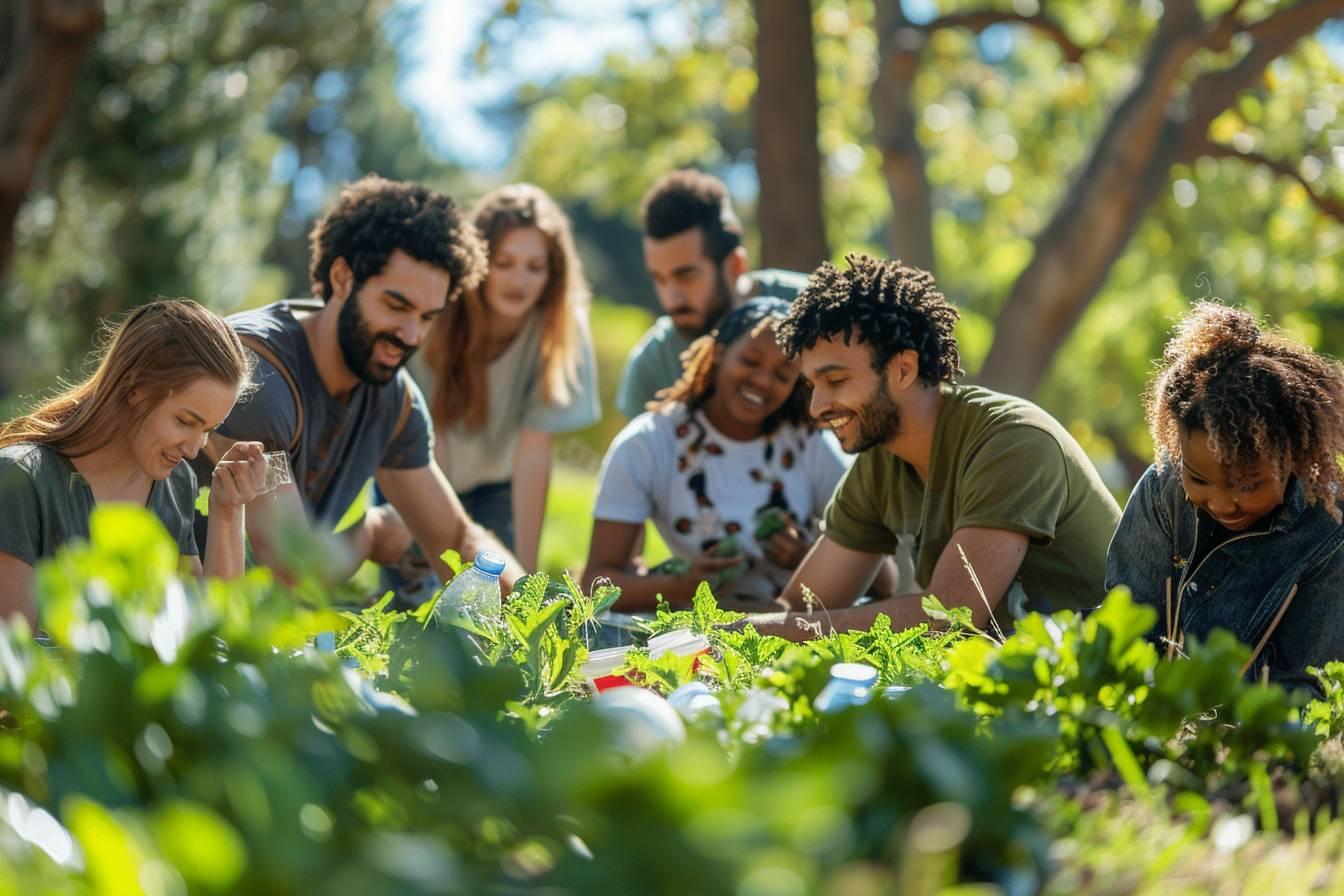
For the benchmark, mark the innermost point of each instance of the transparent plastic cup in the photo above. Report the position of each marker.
(277, 471)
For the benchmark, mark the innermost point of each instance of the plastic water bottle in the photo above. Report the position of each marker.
(473, 593)
(851, 684)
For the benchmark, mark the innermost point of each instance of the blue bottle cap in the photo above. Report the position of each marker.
(489, 562)
(860, 674)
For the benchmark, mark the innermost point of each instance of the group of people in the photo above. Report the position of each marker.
(792, 438)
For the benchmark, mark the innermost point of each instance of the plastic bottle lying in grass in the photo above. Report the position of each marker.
(473, 594)
(851, 684)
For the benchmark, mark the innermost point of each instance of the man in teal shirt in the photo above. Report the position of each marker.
(694, 254)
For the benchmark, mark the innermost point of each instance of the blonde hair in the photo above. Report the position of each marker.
(157, 349)
(456, 347)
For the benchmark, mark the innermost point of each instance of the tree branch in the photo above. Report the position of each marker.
(977, 20)
(1214, 91)
(1328, 205)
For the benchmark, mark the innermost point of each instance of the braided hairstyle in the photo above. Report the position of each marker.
(700, 365)
(891, 306)
(1257, 393)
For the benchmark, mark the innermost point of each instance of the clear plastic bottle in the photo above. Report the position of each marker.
(851, 684)
(474, 593)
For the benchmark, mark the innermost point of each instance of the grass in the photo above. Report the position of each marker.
(569, 524)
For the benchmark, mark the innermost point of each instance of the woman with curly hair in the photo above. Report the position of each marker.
(727, 465)
(1237, 523)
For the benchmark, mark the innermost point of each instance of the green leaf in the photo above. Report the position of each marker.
(206, 850)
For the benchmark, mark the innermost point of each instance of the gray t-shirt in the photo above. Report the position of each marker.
(342, 442)
(655, 361)
(47, 503)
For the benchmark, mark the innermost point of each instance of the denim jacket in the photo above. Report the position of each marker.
(1240, 585)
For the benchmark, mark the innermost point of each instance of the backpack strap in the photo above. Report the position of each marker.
(263, 350)
(403, 417)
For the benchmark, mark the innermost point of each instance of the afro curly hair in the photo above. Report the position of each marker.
(890, 306)
(1258, 394)
(375, 217)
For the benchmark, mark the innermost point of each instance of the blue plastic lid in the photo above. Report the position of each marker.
(489, 562)
(855, 673)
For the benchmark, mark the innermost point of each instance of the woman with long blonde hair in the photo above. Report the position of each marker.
(167, 375)
(512, 366)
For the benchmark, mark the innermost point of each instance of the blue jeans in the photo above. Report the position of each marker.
(490, 505)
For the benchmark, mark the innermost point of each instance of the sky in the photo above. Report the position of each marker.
(452, 94)
(443, 83)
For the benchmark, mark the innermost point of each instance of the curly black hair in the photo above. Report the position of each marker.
(374, 217)
(1258, 394)
(891, 306)
(686, 198)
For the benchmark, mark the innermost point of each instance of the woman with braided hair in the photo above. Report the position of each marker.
(727, 465)
(1237, 525)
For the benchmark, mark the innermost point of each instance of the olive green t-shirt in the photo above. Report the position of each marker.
(998, 462)
(46, 502)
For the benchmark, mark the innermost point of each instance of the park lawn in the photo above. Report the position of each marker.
(569, 524)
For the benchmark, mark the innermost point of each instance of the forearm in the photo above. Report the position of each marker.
(905, 612)
(531, 484)
(640, 591)
(224, 547)
(16, 590)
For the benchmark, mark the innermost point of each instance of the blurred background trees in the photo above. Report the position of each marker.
(1074, 173)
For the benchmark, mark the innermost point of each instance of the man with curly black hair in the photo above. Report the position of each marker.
(694, 255)
(333, 392)
(998, 507)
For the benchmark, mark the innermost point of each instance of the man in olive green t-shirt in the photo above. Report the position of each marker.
(965, 476)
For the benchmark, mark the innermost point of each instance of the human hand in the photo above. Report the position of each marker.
(709, 567)
(238, 478)
(787, 547)
(388, 538)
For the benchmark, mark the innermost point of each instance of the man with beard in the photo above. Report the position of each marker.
(971, 479)
(332, 391)
(695, 258)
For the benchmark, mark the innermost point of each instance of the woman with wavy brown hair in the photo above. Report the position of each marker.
(1237, 525)
(166, 376)
(512, 366)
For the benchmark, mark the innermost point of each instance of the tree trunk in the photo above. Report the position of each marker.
(899, 50)
(788, 162)
(42, 43)
(1129, 167)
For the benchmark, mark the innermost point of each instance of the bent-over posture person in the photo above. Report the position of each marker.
(943, 470)
(1237, 524)
(332, 392)
(729, 445)
(169, 373)
(513, 365)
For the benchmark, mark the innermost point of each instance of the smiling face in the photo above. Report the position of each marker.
(1232, 506)
(520, 268)
(848, 396)
(386, 318)
(691, 288)
(177, 426)
(754, 379)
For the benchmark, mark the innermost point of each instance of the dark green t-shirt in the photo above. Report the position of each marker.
(47, 503)
(998, 462)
